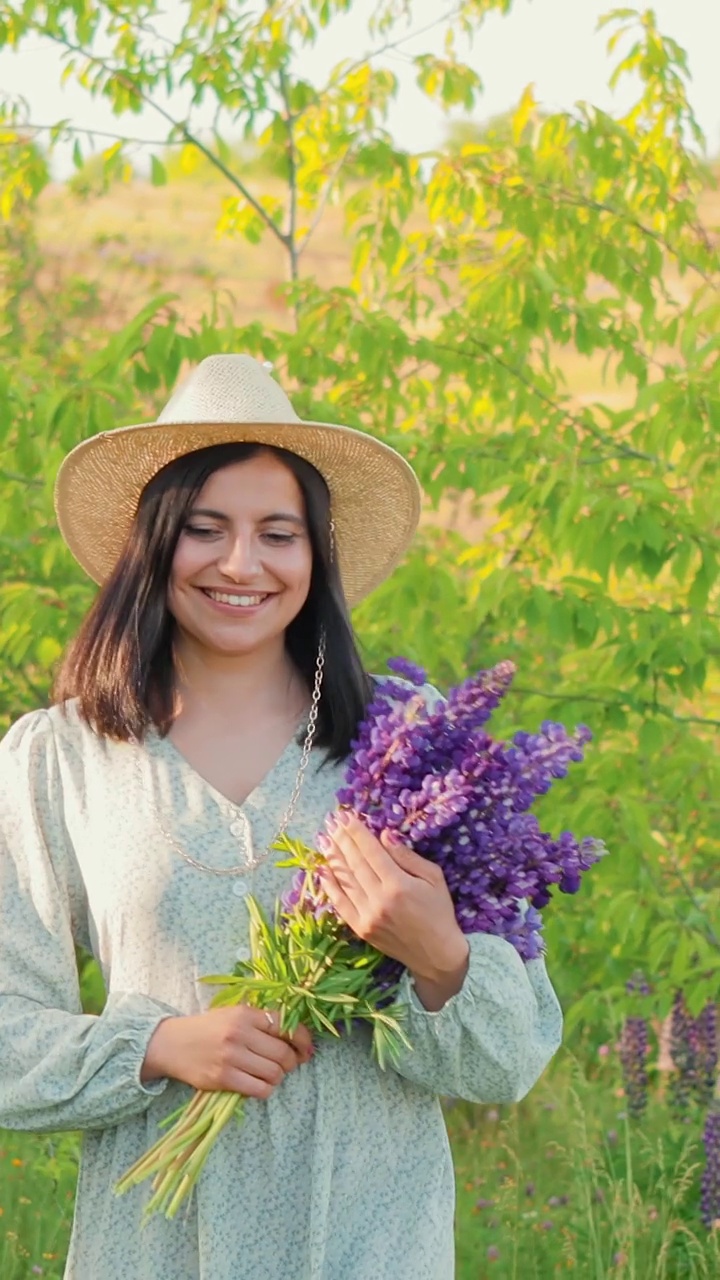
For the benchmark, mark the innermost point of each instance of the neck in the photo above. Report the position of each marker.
(241, 686)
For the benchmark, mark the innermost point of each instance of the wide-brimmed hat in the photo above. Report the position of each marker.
(374, 493)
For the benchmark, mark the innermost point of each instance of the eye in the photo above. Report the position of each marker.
(277, 539)
(200, 531)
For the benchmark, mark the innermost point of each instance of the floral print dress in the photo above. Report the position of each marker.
(346, 1172)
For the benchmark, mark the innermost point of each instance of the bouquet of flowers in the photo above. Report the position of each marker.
(433, 775)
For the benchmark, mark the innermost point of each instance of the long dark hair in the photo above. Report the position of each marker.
(120, 665)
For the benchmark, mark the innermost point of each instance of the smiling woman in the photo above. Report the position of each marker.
(237, 521)
(244, 556)
(209, 704)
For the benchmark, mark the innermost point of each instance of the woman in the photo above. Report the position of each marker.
(207, 704)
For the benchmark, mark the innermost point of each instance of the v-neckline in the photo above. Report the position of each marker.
(219, 796)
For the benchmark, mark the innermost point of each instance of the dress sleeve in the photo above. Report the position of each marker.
(59, 1068)
(491, 1041)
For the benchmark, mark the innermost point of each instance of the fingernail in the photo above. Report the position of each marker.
(331, 823)
(323, 842)
(394, 837)
(344, 818)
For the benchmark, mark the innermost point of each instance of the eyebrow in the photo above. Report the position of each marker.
(275, 516)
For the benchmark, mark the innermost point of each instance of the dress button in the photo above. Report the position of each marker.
(240, 888)
(242, 953)
(237, 828)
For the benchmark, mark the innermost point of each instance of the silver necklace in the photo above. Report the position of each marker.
(239, 818)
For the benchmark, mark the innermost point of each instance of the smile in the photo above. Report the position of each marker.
(238, 601)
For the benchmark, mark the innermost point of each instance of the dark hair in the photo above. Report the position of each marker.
(120, 664)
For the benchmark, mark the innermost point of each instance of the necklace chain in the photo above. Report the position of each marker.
(251, 862)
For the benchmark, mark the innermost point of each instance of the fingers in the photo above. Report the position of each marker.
(234, 1081)
(302, 1042)
(366, 858)
(409, 861)
(289, 1050)
(339, 898)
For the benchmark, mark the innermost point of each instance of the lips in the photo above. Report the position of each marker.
(237, 599)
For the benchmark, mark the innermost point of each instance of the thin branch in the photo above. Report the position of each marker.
(16, 478)
(292, 181)
(624, 703)
(95, 133)
(186, 134)
(322, 203)
(620, 449)
(390, 44)
(584, 202)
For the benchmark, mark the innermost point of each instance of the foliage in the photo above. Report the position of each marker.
(593, 562)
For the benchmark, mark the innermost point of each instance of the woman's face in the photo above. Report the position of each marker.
(242, 567)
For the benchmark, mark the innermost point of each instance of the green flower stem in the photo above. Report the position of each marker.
(175, 1181)
(313, 973)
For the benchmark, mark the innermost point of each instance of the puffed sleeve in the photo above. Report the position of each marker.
(491, 1041)
(59, 1068)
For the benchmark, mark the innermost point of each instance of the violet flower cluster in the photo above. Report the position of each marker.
(633, 1056)
(461, 798)
(695, 1049)
(710, 1184)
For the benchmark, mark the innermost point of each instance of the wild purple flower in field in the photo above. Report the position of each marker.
(432, 774)
(710, 1185)
(638, 984)
(493, 1253)
(682, 1051)
(706, 1026)
(633, 1056)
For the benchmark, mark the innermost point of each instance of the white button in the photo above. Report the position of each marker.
(240, 888)
(237, 828)
(242, 953)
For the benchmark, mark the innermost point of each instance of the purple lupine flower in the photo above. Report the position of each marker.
(462, 799)
(633, 1056)
(710, 1184)
(683, 1050)
(408, 670)
(307, 892)
(638, 984)
(706, 1027)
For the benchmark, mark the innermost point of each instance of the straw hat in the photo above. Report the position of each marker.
(375, 496)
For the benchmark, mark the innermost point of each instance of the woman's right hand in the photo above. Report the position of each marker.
(232, 1050)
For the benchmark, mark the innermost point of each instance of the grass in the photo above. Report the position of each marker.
(562, 1184)
(37, 1190)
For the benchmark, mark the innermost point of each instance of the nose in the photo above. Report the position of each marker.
(240, 558)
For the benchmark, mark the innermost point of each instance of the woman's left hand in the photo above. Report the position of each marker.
(396, 901)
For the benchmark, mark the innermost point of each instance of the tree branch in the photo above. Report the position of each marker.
(291, 238)
(625, 704)
(620, 449)
(183, 129)
(322, 203)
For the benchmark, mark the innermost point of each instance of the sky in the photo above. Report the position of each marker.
(552, 44)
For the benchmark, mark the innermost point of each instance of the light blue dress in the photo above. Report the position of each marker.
(345, 1173)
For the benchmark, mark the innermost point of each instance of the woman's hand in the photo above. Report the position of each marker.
(398, 902)
(234, 1050)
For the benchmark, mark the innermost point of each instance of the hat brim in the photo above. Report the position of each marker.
(375, 495)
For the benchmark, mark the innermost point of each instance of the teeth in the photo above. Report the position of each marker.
(225, 598)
